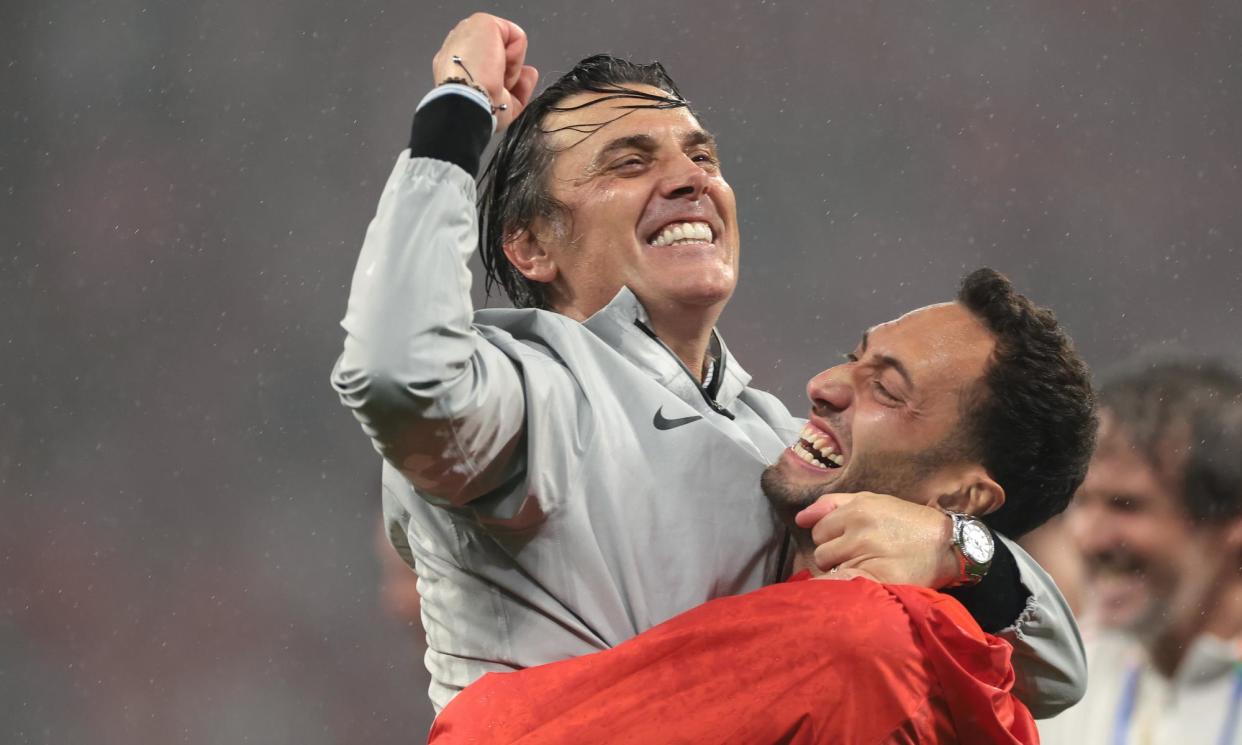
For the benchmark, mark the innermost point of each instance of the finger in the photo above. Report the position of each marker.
(833, 553)
(830, 526)
(524, 87)
(514, 40)
(813, 514)
(840, 499)
(839, 506)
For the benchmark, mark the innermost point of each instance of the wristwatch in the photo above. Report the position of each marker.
(972, 543)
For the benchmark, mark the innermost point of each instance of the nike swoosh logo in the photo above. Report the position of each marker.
(661, 423)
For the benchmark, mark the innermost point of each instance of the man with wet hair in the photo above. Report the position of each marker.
(855, 661)
(1158, 521)
(545, 466)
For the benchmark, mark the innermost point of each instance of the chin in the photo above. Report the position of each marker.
(706, 290)
(790, 488)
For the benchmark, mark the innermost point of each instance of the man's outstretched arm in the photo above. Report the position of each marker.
(440, 404)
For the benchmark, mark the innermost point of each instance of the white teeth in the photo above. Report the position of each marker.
(825, 449)
(684, 232)
(805, 455)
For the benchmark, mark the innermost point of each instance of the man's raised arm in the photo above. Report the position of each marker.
(442, 405)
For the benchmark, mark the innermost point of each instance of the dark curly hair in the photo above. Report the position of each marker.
(514, 191)
(1031, 420)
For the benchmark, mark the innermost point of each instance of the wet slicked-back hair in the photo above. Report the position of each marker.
(1166, 406)
(514, 190)
(1031, 420)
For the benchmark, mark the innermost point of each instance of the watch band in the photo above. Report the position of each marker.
(970, 571)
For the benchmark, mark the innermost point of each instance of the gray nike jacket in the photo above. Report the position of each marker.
(560, 487)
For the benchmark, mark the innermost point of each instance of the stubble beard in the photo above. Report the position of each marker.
(898, 474)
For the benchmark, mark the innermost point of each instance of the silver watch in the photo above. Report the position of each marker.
(972, 543)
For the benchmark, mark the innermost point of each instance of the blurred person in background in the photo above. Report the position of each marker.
(1159, 523)
(854, 661)
(546, 465)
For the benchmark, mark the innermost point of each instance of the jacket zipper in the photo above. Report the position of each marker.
(711, 402)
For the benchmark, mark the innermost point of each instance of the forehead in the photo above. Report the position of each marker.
(943, 346)
(593, 122)
(1119, 465)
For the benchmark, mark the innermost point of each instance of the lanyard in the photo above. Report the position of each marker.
(1129, 696)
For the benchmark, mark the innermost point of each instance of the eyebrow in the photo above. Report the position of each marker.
(647, 144)
(699, 137)
(888, 360)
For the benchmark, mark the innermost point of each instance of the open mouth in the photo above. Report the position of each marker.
(818, 449)
(682, 233)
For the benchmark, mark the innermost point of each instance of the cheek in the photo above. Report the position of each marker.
(878, 428)
(606, 207)
(1168, 553)
(725, 197)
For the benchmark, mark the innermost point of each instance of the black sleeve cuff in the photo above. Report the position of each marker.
(999, 598)
(451, 128)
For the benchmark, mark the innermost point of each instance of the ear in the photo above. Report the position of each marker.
(972, 492)
(530, 257)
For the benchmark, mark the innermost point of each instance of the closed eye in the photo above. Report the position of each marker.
(628, 163)
(883, 393)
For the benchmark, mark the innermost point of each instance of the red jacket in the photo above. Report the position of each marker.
(799, 662)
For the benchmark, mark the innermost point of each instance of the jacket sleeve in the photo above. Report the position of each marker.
(441, 404)
(1048, 655)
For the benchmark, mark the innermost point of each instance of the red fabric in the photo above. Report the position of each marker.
(799, 662)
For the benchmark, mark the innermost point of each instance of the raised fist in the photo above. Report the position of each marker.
(492, 52)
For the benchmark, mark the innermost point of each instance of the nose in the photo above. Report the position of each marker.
(831, 391)
(685, 180)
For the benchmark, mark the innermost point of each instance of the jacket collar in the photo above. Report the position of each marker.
(617, 325)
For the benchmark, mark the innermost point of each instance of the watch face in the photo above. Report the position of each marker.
(977, 542)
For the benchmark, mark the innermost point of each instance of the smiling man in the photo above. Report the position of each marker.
(1159, 523)
(545, 466)
(848, 662)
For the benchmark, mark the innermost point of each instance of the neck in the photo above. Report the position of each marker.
(1221, 617)
(687, 332)
(686, 329)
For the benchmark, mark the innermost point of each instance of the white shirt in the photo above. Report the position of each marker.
(1129, 703)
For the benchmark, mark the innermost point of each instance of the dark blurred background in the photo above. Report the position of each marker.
(188, 537)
